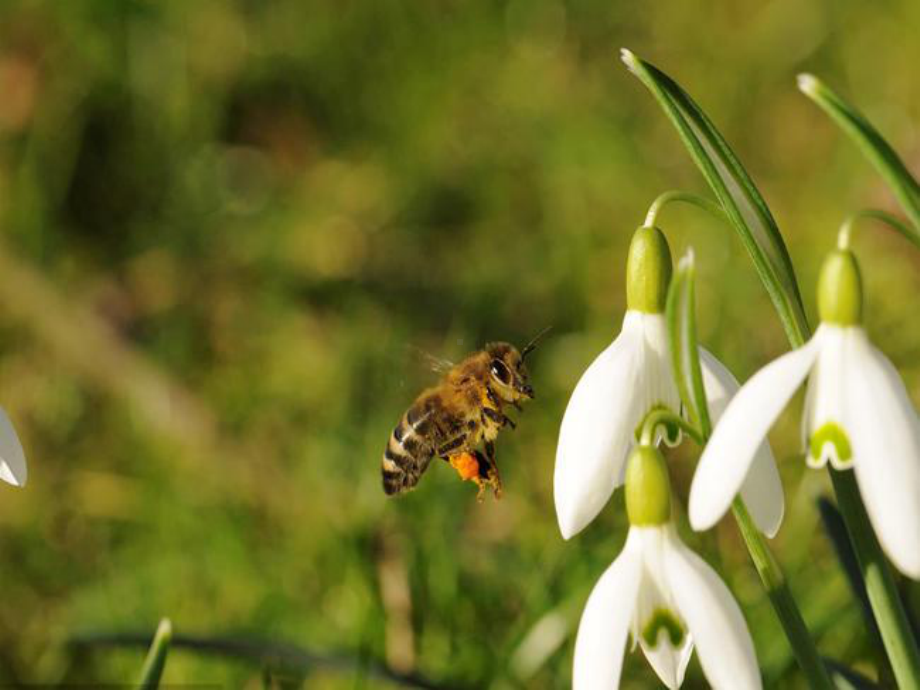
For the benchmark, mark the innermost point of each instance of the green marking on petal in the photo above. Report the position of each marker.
(662, 619)
(833, 434)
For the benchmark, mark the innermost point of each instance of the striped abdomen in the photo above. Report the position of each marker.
(409, 449)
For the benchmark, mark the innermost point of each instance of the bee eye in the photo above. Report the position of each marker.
(500, 371)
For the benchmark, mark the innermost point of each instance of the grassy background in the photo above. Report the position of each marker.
(224, 226)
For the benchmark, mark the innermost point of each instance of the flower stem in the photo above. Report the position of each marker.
(774, 582)
(845, 233)
(661, 416)
(897, 635)
(666, 198)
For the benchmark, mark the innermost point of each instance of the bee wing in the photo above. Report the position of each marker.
(436, 364)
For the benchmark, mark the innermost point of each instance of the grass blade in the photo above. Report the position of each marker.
(735, 191)
(156, 657)
(872, 144)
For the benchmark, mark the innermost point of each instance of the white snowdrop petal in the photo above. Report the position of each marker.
(12, 459)
(719, 631)
(885, 433)
(605, 623)
(654, 601)
(660, 388)
(597, 430)
(741, 429)
(761, 489)
(826, 397)
(669, 664)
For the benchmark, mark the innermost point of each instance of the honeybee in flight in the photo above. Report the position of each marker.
(453, 418)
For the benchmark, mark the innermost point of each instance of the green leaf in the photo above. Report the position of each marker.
(873, 146)
(685, 354)
(735, 191)
(156, 657)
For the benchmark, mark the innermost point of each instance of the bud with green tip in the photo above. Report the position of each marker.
(840, 289)
(648, 271)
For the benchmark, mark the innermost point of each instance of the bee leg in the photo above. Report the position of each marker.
(497, 417)
(482, 478)
(492, 476)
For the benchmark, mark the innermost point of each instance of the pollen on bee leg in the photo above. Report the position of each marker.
(466, 465)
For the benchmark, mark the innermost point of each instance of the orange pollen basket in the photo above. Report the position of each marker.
(466, 465)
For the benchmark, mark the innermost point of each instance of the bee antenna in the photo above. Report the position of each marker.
(532, 345)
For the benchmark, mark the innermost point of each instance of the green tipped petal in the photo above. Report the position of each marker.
(648, 489)
(840, 289)
(648, 271)
(833, 434)
(662, 619)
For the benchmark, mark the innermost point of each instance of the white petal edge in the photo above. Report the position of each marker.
(885, 433)
(596, 432)
(12, 459)
(601, 641)
(727, 458)
(669, 664)
(721, 636)
(762, 489)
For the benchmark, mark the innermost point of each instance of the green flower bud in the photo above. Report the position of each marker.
(648, 271)
(648, 489)
(840, 289)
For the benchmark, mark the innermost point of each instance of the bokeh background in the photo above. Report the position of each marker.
(226, 226)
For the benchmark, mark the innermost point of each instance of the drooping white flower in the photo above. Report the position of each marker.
(663, 595)
(857, 415)
(12, 459)
(628, 380)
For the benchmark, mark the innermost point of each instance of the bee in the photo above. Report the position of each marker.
(452, 419)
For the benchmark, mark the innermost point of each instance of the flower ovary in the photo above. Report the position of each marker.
(648, 271)
(648, 488)
(840, 289)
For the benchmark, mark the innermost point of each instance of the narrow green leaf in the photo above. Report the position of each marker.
(156, 657)
(735, 191)
(872, 144)
(685, 354)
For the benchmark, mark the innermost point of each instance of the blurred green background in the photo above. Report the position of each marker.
(226, 225)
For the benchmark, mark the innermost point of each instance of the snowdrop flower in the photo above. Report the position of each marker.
(12, 459)
(857, 415)
(629, 379)
(665, 596)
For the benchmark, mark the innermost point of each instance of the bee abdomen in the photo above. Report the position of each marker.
(404, 459)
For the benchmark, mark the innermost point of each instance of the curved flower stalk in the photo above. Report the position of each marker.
(857, 415)
(665, 596)
(628, 380)
(12, 459)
